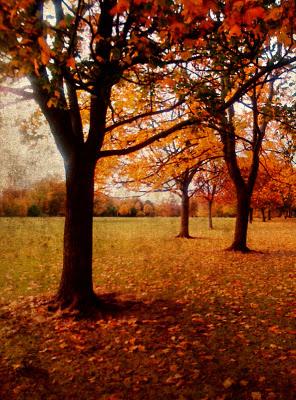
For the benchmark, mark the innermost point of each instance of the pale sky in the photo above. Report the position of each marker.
(22, 163)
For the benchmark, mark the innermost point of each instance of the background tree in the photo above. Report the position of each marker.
(149, 209)
(266, 196)
(168, 208)
(171, 167)
(245, 46)
(285, 185)
(49, 195)
(210, 181)
(252, 65)
(13, 202)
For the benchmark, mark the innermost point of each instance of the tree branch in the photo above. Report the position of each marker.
(247, 85)
(143, 115)
(152, 139)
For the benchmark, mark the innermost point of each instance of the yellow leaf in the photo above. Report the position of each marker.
(228, 382)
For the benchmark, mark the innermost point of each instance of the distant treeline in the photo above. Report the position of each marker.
(47, 198)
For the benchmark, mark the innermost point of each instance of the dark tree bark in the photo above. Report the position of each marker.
(184, 228)
(243, 191)
(263, 214)
(251, 215)
(241, 225)
(269, 214)
(76, 287)
(184, 181)
(244, 186)
(210, 206)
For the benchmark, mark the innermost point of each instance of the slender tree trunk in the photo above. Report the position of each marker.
(269, 214)
(210, 206)
(244, 187)
(263, 214)
(184, 229)
(76, 287)
(241, 226)
(251, 215)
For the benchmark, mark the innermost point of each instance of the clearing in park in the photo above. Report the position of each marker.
(187, 320)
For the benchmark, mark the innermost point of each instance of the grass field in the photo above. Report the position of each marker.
(196, 322)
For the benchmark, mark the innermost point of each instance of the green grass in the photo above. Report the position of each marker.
(128, 252)
(204, 324)
(31, 256)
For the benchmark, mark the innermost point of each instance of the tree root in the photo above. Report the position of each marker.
(243, 249)
(91, 306)
(73, 304)
(239, 248)
(181, 236)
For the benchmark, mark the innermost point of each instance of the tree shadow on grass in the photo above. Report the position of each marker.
(193, 237)
(141, 350)
(281, 253)
(28, 379)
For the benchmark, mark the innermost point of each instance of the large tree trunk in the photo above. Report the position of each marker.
(263, 214)
(76, 287)
(184, 229)
(244, 186)
(243, 189)
(241, 226)
(251, 215)
(210, 206)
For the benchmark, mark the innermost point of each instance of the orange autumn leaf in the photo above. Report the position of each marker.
(252, 14)
(121, 7)
(235, 30)
(36, 67)
(274, 14)
(71, 63)
(274, 329)
(45, 51)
